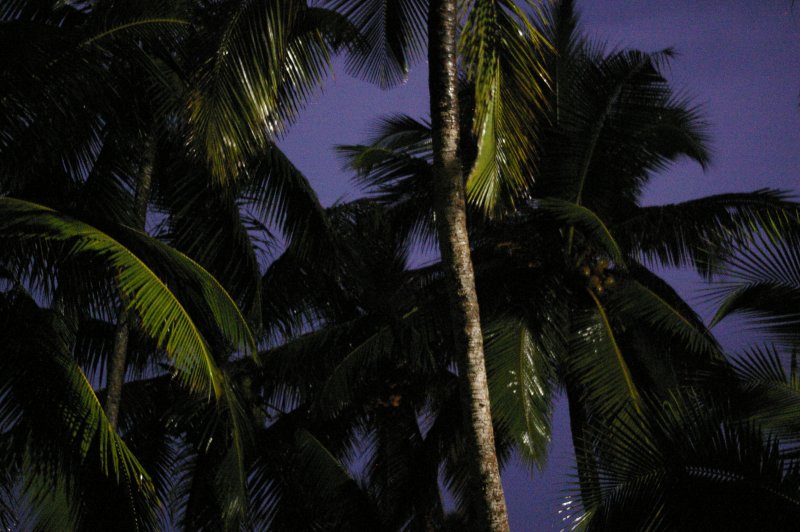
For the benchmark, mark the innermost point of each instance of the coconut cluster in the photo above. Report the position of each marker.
(599, 277)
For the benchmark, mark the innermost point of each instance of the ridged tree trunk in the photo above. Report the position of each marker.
(126, 319)
(451, 224)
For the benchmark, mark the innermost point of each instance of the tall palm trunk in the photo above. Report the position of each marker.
(451, 223)
(126, 319)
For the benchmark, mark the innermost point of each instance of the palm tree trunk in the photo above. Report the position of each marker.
(451, 222)
(126, 319)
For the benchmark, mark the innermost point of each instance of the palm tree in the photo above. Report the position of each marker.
(499, 50)
(613, 120)
(96, 49)
(376, 361)
(733, 445)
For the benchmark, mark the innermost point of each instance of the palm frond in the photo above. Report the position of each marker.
(266, 60)
(280, 194)
(59, 430)
(519, 363)
(762, 282)
(771, 393)
(395, 167)
(392, 35)
(688, 463)
(585, 219)
(502, 55)
(632, 301)
(301, 469)
(596, 361)
(163, 316)
(617, 122)
(700, 232)
(208, 224)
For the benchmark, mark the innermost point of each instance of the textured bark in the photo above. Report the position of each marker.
(126, 320)
(451, 222)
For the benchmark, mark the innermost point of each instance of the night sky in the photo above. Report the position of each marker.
(739, 60)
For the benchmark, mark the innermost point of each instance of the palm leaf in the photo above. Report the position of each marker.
(521, 375)
(771, 393)
(687, 463)
(302, 470)
(60, 432)
(616, 122)
(632, 301)
(163, 316)
(392, 35)
(592, 225)
(596, 361)
(267, 59)
(762, 282)
(702, 231)
(280, 194)
(501, 50)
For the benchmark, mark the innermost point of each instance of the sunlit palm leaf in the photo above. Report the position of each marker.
(163, 316)
(519, 364)
(502, 55)
(50, 410)
(268, 58)
(597, 361)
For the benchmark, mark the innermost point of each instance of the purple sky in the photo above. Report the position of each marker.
(738, 59)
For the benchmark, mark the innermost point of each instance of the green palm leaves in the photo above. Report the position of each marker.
(502, 54)
(54, 427)
(263, 63)
(520, 363)
(502, 57)
(164, 316)
(392, 36)
(762, 281)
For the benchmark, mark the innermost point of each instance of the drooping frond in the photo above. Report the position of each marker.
(59, 435)
(265, 60)
(700, 232)
(520, 366)
(502, 55)
(279, 193)
(589, 222)
(597, 361)
(762, 282)
(163, 315)
(392, 35)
